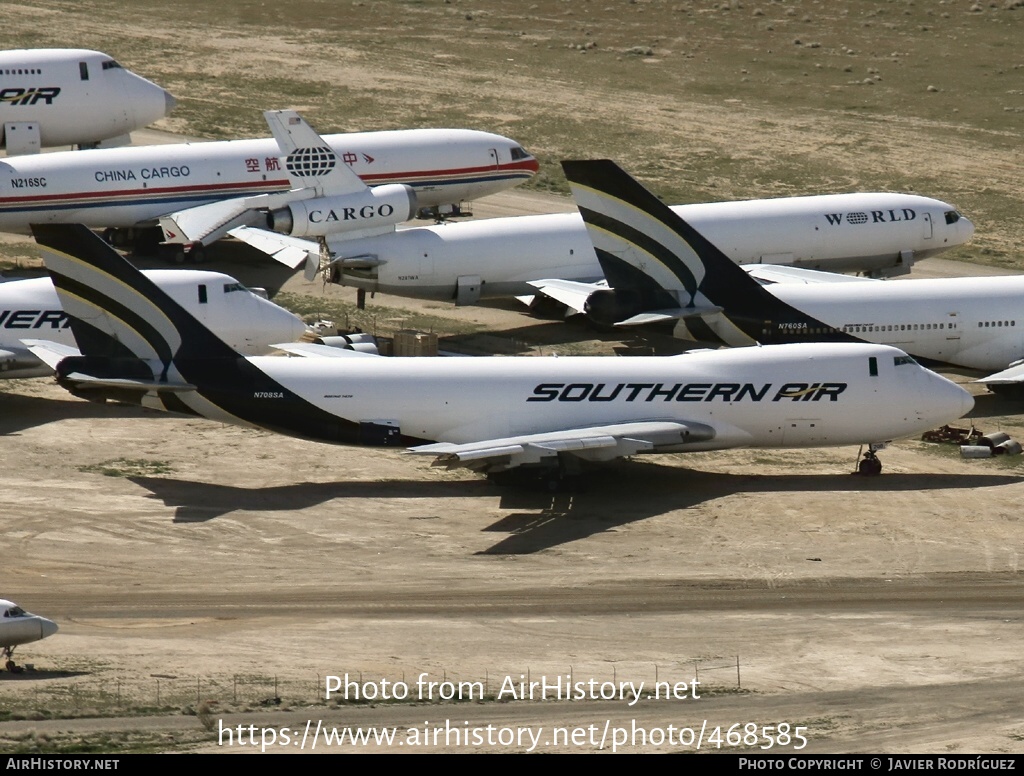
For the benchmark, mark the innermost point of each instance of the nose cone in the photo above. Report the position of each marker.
(148, 101)
(296, 328)
(965, 228)
(946, 401)
(281, 325)
(47, 627)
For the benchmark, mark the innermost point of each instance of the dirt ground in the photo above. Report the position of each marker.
(187, 562)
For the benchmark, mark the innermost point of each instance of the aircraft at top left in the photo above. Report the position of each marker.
(72, 97)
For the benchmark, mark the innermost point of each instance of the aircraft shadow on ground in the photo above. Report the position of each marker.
(990, 405)
(198, 502)
(639, 490)
(19, 412)
(605, 500)
(38, 674)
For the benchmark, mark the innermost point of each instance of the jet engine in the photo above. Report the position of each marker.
(378, 206)
(608, 306)
(359, 342)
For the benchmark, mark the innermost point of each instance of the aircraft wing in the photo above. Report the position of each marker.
(290, 251)
(569, 292)
(594, 443)
(316, 350)
(778, 273)
(574, 295)
(1012, 376)
(293, 251)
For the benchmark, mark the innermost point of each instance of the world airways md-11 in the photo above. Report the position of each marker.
(488, 414)
(876, 233)
(663, 272)
(133, 188)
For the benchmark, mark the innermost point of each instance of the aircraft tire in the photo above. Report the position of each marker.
(870, 467)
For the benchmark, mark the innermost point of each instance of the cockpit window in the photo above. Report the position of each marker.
(518, 153)
(15, 611)
(901, 360)
(229, 287)
(952, 216)
(110, 64)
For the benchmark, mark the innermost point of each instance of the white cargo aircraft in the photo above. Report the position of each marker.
(30, 309)
(489, 414)
(876, 233)
(72, 97)
(663, 272)
(209, 185)
(19, 627)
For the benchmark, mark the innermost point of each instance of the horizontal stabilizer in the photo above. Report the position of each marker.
(598, 443)
(572, 294)
(50, 353)
(85, 381)
(776, 273)
(674, 314)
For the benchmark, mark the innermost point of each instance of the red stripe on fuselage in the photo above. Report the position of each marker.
(245, 187)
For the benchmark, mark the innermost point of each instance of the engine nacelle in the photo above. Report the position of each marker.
(361, 343)
(609, 306)
(379, 206)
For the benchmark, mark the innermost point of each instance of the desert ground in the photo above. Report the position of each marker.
(205, 576)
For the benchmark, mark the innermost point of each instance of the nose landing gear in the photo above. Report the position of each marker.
(869, 465)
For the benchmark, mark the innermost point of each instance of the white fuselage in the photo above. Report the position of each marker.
(73, 97)
(840, 233)
(20, 627)
(29, 309)
(971, 322)
(785, 396)
(127, 187)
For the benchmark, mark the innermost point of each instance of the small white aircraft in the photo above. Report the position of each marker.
(30, 309)
(19, 627)
(876, 233)
(128, 190)
(488, 414)
(663, 272)
(72, 97)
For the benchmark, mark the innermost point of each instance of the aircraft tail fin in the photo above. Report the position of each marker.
(117, 314)
(649, 252)
(309, 161)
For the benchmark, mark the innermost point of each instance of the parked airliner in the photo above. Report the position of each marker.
(19, 627)
(662, 271)
(489, 414)
(132, 188)
(72, 97)
(876, 233)
(30, 309)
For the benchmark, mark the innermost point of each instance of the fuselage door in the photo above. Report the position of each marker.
(926, 225)
(495, 161)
